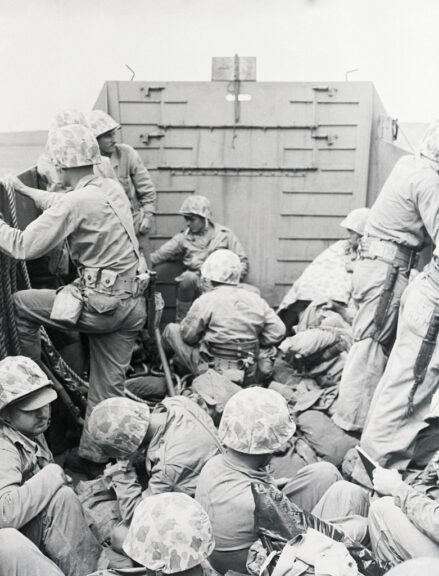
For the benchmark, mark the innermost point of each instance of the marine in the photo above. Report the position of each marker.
(106, 301)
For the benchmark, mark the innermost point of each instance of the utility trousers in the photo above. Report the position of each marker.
(61, 533)
(390, 432)
(367, 358)
(111, 339)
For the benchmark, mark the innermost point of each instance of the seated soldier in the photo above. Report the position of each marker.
(255, 423)
(179, 536)
(227, 327)
(34, 496)
(193, 246)
(178, 439)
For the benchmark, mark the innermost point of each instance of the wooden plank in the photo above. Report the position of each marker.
(290, 249)
(325, 227)
(170, 202)
(322, 182)
(288, 272)
(313, 204)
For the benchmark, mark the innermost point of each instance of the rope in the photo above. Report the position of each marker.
(63, 368)
(10, 311)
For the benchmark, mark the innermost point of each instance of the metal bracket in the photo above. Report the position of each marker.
(150, 89)
(330, 138)
(145, 138)
(330, 91)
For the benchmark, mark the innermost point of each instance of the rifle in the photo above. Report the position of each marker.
(154, 332)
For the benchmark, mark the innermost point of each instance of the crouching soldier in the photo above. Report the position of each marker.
(227, 327)
(34, 496)
(178, 439)
(193, 246)
(179, 536)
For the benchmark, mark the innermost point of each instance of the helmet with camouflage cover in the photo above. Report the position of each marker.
(169, 533)
(100, 122)
(256, 421)
(20, 379)
(198, 205)
(72, 146)
(356, 220)
(67, 117)
(429, 145)
(119, 425)
(222, 266)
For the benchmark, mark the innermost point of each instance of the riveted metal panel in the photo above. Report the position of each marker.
(281, 169)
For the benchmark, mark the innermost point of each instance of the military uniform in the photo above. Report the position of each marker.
(395, 231)
(132, 175)
(33, 499)
(96, 222)
(192, 249)
(175, 454)
(227, 316)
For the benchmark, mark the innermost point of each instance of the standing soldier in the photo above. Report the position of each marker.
(131, 173)
(193, 246)
(106, 302)
(407, 206)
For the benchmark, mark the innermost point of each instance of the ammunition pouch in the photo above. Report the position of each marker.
(108, 282)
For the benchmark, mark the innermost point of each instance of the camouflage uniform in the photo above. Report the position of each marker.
(229, 317)
(33, 500)
(193, 249)
(95, 219)
(170, 533)
(407, 205)
(132, 175)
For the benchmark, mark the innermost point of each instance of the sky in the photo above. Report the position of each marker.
(58, 53)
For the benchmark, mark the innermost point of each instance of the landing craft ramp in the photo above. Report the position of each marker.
(281, 162)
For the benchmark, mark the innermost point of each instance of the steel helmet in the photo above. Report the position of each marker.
(119, 425)
(256, 421)
(429, 145)
(198, 205)
(169, 533)
(67, 117)
(356, 220)
(72, 146)
(100, 122)
(222, 266)
(20, 378)
(214, 388)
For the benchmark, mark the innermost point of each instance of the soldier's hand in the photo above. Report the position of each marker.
(386, 482)
(15, 183)
(57, 471)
